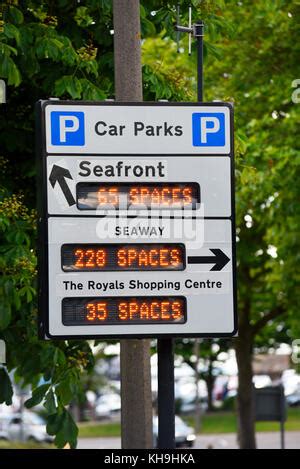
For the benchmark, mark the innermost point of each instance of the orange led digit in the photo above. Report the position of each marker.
(109, 196)
(101, 311)
(100, 257)
(102, 196)
(90, 254)
(125, 310)
(79, 254)
(91, 311)
(114, 196)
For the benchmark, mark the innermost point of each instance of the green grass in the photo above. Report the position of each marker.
(217, 422)
(19, 445)
(95, 429)
(292, 424)
(226, 422)
(220, 422)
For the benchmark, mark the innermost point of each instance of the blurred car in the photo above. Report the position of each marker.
(261, 381)
(27, 427)
(293, 400)
(187, 404)
(184, 435)
(108, 406)
(291, 382)
(102, 411)
(220, 388)
(185, 393)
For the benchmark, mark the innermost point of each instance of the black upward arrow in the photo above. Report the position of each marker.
(219, 259)
(58, 174)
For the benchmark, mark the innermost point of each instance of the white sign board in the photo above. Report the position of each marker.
(212, 174)
(140, 129)
(137, 234)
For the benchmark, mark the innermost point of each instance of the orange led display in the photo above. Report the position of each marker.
(161, 195)
(124, 310)
(151, 310)
(114, 257)
(108, 196)
(96, 311)
(89, 258)
(176, 197)
(147, 257)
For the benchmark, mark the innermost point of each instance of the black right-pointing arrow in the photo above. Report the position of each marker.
(58, 174)
(219, 259)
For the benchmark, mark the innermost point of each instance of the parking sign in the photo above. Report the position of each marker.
(136, 210)
(209, 129)
(67, 128)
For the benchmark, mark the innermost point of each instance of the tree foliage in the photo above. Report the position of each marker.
(65, 49)
(258, 65)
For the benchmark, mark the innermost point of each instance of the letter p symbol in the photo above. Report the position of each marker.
(209, 125)
(67, 124)
(208, 129)
(67, 128)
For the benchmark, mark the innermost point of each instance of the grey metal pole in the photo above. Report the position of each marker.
(136, 398)
(197, 395)
(127, 50)
(166, 401)
(22, 423)
(282, 442)
(199, 32)
(283, 417)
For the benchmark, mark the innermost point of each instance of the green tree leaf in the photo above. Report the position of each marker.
(16, 15)
(55, 422)
(12, 32)
(37, 396)
(68, 432)
(5, 313)
(82, 17)
(70, 85)
(6, 390)
(9, 70)
(68, 387)
(50, 403)
(63, 426)
(90, 91)
(49, 48)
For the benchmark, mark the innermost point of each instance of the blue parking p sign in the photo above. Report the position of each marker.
(208, 129)
(67, 128)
